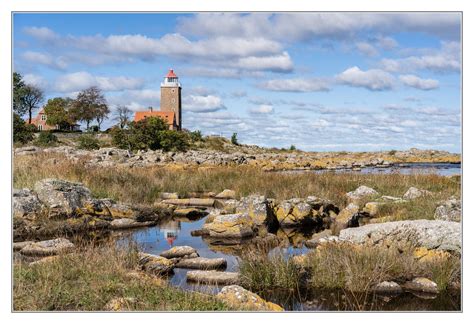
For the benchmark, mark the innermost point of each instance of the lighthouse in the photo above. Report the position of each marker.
(171, 96)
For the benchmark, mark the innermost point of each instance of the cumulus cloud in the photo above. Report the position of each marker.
(296, 85)
(375, 80)
(45, 59)
(261, 110)
(81, 80)
(366, 49)
(41, 33)
(35, 80)
(419, 83)
(202, 104)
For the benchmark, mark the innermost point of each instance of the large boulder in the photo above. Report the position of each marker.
(47, 248)
(301, 212)
(26, 204)
(231, 226)
(449, 210)
(238, 297)
(361, 192)
(63, 198)
(213, 277)
(346, 214)
(179, 252)
(413, 193)
(258, 208)
(156, 265)
(431, 234)
(226, 194)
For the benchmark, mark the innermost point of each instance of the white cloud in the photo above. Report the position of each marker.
(366, 49)
(35, 80)
(202, 104)
(45, 59)
(81, 80)
(385, 42)
(296, 85)
(41, 33)
(419, 83)
(262, 109)
(375, 80)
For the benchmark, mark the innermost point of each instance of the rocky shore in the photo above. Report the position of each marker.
(268, 161)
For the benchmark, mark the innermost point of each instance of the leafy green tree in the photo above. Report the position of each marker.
(102, 113)
(22, 132)
(19, 106)
(32, 96)
(90, 104)
(57, 110)
(171, 140)
(292, 147)
(233, 139)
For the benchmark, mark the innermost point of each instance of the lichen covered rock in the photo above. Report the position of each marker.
(236, 296)
(47, 248)
(231, 226)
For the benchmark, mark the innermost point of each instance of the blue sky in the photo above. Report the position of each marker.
(320, 81)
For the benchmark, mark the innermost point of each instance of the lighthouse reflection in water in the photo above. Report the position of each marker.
(170, 230)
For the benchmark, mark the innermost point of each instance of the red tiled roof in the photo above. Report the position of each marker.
(171, 74)
(168, 116)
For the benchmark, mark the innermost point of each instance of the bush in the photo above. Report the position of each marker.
(292, 148)
(195, 136)
(93, 128)
(149, 133)
(233, 139)
(392, 152)
(22, 132)
(46, 138)
(88, 142)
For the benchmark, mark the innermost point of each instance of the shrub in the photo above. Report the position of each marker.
(22, 132)
(93, 128)
(46, 139)
(233, 139)
(392, 152)
(196, 136)
(292, 148)
(173, 140)
(88, 142)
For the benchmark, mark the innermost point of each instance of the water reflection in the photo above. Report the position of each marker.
(170, 230)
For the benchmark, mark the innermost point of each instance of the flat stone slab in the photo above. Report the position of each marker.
(198, 202)
(17, 246)
(423, 285)
(213, 277)
(202, 263)
(154, 264)
(124, 223)
(47, 248)
(178, 252)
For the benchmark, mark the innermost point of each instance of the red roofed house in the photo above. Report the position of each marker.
(170, 104)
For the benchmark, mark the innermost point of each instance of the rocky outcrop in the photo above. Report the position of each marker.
(47, 248)
(231, 226)
(257, 208)
(213, 277)
(311, 211)
(449, 210)
(431, 234)
(196, 202)
(240, 298)
(156, 265)
(226, 194)
(413, 193)
(361, 192)
(26, 204)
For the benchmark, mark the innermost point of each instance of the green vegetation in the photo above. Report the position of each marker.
(88, 280)
(88, 142)
(22, 132)
(26, 97)
(292, 148)
(149, 133)
(233, 139)
(46, 138)
(89, 105)
(58, 112)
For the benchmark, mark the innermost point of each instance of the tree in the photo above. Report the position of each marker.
(292, 147)
(18, 94)
(22, 132)
(233, 139)
(102, 113)
(32, 96)
(123, 114)
(57, 110)
(90, 104)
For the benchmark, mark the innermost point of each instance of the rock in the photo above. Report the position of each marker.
(346, 214)
(449, 210)
(26, 150)
(169, 195)
(190, 213)
(64, 198)
(421, 284)
(391, 198)
(124, 223)
(213, 277)
(155, 265)
(226, 194)
(196, 202)
(388, 287)
(229, 206)
(202, 263)
(17, 246)
(120, 304)
(361, 192)
(178, 252)
(372, 208)
(413, 193)
(118, 210)
(26, 204)
(422, 254)
(313, 242)
(310, 212)
(49, 247)
(258, 208)
(238, 297)
(230, 226)
(200, 232)
(431, 234)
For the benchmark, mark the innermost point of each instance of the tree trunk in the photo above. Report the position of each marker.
(29, 115)
(87, 124)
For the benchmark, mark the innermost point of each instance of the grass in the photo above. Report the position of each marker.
(144, 185)
(88, 280)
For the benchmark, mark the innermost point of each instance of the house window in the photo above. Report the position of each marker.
(43, 117)
(40, 127)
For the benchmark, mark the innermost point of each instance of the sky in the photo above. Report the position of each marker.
(319, 81)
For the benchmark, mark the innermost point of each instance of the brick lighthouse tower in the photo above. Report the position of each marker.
(171, 96)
